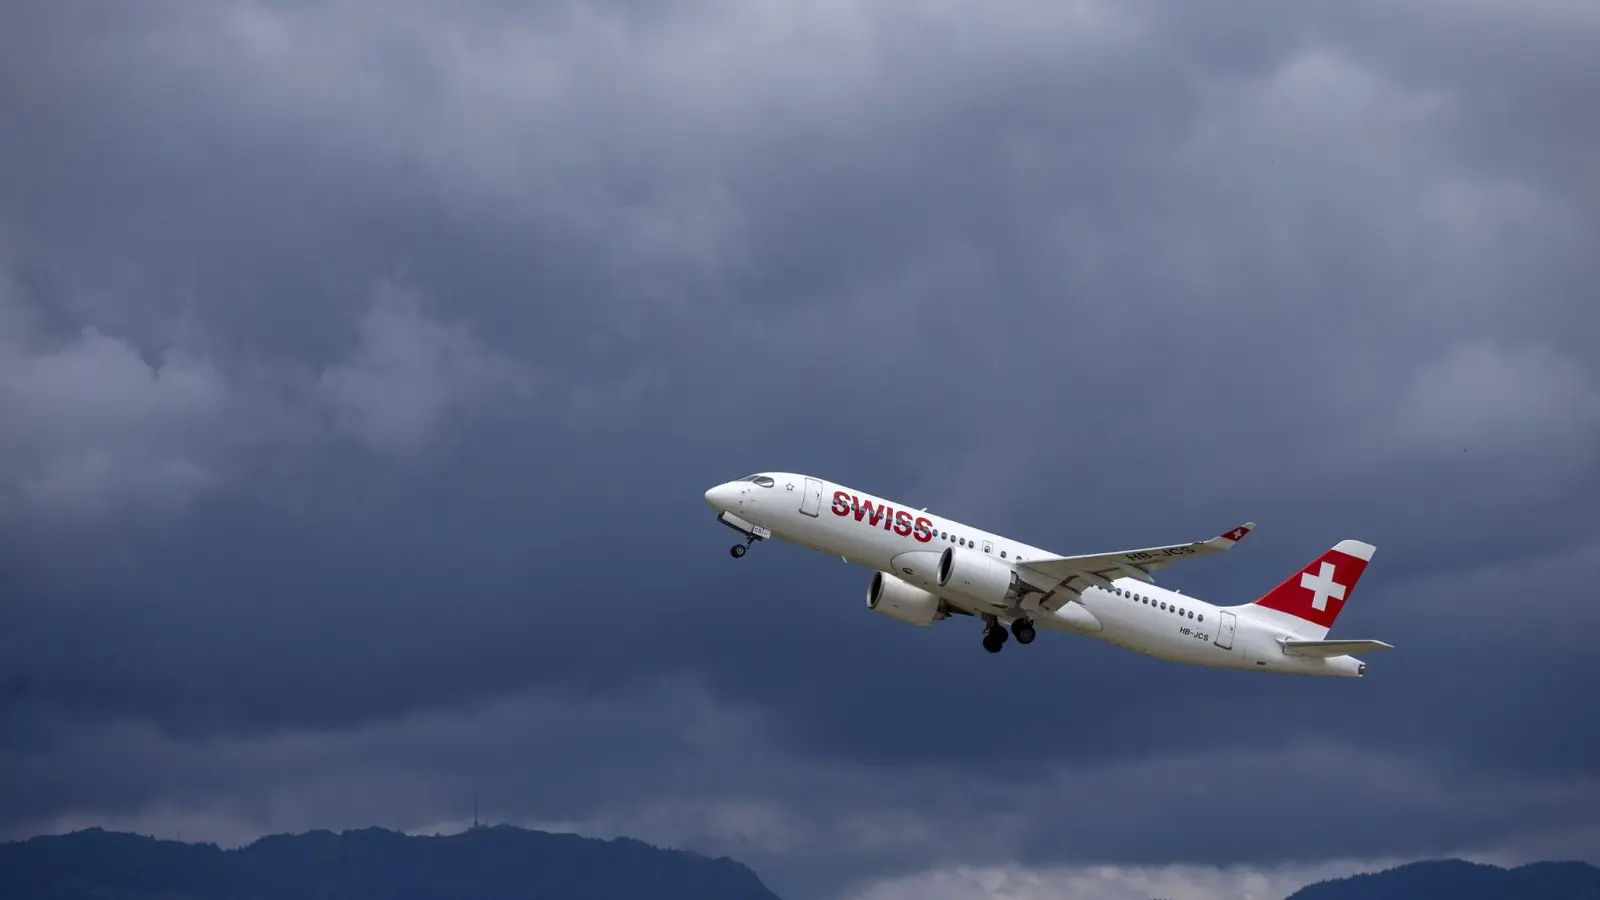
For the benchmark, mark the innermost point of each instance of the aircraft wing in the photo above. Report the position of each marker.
(1071, 574)
(1326, 649)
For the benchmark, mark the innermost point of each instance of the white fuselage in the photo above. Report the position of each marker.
(881, 534)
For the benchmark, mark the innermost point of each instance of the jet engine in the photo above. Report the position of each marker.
(903, 602)
(976, 577)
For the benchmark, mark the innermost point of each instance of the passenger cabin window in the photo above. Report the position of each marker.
(1002, 554)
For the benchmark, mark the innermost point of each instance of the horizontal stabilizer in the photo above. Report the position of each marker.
(1326, 649)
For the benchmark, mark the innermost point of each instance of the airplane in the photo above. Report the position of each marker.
(927, 568)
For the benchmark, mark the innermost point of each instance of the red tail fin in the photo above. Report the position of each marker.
(1318, 591)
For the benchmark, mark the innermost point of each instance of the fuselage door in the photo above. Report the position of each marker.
(811, 502)
(1225, 630)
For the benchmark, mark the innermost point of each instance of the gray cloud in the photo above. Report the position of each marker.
(92, 424)
(361, 369)
(410, 377)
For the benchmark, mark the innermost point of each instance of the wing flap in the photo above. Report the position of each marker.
(1328, 649)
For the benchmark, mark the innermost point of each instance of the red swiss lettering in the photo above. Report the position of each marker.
(898, 521)
(866, 509)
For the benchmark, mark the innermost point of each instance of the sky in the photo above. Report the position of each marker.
(363, 366)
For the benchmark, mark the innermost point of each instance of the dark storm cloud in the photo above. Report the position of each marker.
(361, 369)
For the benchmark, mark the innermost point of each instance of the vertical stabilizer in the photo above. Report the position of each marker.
(1310, 600)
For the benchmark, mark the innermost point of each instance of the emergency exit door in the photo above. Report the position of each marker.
(811, 502)
(1225, 630)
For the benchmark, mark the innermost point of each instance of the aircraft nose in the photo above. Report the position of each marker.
(721, 496)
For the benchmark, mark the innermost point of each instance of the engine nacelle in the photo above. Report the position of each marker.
(976, 577)
(903, 602)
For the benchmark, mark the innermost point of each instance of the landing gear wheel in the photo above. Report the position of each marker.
(1022, 629)
(737, 550)
(994, 634)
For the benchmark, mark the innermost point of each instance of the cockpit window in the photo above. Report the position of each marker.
(762, 480)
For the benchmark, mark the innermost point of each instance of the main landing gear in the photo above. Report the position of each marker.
(1022, 629)
(994, 634)
(738, 550)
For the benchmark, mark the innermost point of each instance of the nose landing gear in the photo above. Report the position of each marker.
(749, 531)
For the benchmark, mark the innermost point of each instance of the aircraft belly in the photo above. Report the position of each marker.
(818, 534)
(1139, 629)
(1074, 617)
(844, 538)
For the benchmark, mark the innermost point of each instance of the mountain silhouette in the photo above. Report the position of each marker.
(508, 863)
(1453, 879)
(491, 863)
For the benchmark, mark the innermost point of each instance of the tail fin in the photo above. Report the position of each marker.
(1314, 596)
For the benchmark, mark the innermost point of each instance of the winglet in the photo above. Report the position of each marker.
(1234, 536)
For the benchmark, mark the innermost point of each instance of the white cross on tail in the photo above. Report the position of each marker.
(1322, 586)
